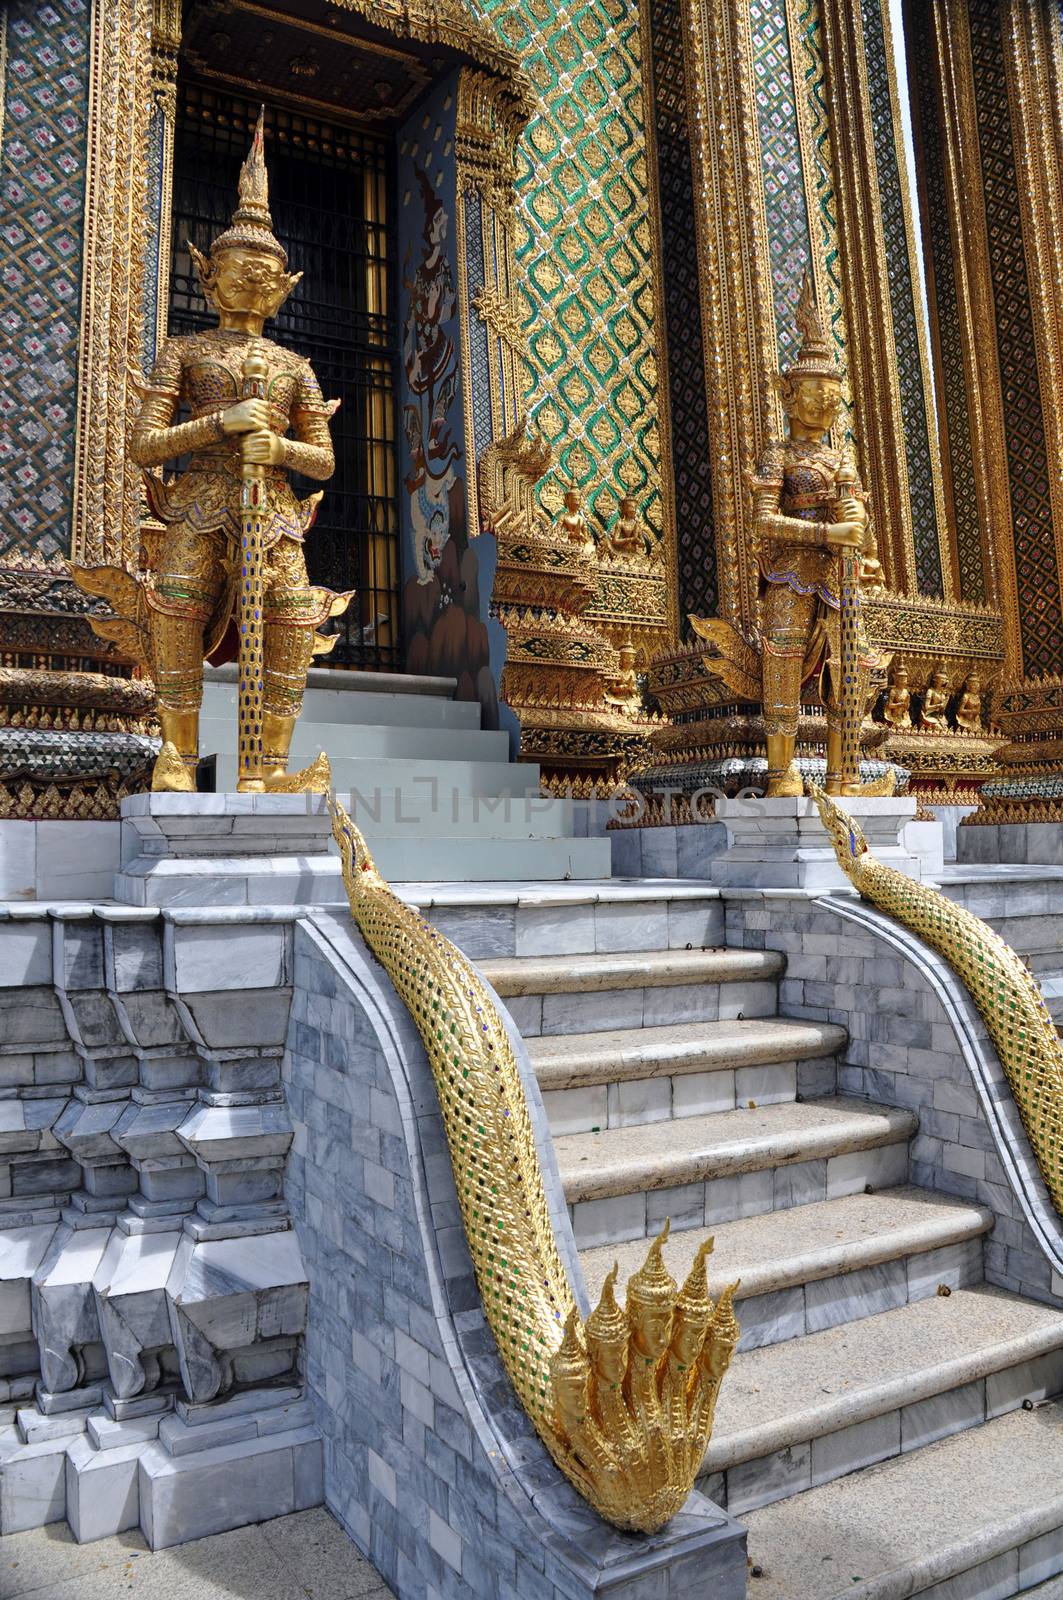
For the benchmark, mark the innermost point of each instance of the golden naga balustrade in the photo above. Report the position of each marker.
(624, 1402)
(994, 975)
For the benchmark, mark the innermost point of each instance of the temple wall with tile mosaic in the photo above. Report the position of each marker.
(1037, 575)
(691, 447)
(902, 306)
(42, 196)
(785, 207)
(584, 244)
(962, 499)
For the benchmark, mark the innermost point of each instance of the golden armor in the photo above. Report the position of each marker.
(256, 412)
(935, 703)
(897, 710)
(810, 514)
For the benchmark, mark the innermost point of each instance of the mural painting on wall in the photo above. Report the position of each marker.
(442, 621)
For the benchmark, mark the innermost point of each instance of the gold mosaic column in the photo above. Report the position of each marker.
(106, 484)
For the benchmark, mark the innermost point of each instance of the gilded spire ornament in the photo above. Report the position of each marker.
(231, 550)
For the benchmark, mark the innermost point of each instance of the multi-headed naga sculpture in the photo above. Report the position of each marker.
(625, 1402)
(997, 979)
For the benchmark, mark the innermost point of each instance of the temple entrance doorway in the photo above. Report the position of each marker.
(331, 195)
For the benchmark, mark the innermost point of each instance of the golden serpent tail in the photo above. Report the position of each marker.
(994, 975)
(558, 1365)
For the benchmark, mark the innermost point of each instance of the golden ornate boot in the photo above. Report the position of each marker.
(175, 766)
(834, 784)
(277, 733)
(784, 780)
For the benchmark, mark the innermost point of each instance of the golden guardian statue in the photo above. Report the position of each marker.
(232, 550)
(815, 552)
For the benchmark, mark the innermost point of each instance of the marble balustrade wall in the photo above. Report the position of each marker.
(915, 1040)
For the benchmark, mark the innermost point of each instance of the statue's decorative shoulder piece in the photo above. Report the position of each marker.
(624, 1403)
(996, 978)
(255, 413)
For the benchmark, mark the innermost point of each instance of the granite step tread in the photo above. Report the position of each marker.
(648, 969)
(784, 1394)
(572, 1061)
(661, 1155)
(896, 1529)
(806, 1243)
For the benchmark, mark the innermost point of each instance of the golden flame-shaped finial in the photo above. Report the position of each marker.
(815, 357)
(251, 227)
(253, 185)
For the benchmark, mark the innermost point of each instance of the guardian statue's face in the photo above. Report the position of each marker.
(248, 280)
(814, 401)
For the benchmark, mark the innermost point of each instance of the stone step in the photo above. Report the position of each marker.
(622, 1183)
(575, 1060)
(980, 1513)
(397, 813)
(646, 970)
(317, 880)
(578, 917)
(1052, 1590)
(658, 1074)
(818, 1265)
(795, 1415)
(635, 1075)
(555, 994)
(333, 694)
(368, 774)
(380, 740)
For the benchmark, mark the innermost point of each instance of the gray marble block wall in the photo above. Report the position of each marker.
(430, 1464)
(915, 1040)
(147, 1262)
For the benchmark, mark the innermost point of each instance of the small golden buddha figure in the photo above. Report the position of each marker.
(969, 710)
(897, 710)
(183, 609)
(625, 536)
(623, 691)
(573, 520)
(935, 704)
(809, 507)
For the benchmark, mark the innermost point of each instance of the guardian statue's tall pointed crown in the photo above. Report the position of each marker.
(252, 225)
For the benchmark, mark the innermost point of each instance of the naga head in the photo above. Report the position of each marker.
(245, 276)
(607, 1334)
(354, 852)
(651, 1303)
(570, 1376)
(846, 835)
(693, 1311)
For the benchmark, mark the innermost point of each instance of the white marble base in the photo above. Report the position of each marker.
(190, 1496)
(782, 844)
(58, 860)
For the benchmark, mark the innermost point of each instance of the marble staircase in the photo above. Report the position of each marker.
(887, 1429)
(436, 793)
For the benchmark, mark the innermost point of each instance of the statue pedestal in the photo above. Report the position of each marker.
(227, 850)
(782, 844)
